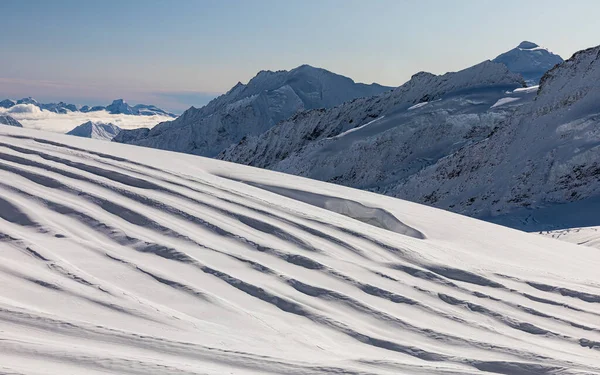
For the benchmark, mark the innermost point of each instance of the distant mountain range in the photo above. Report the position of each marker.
(116, 107)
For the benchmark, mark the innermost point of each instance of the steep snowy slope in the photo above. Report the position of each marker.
(96, 130)
(8, 120)
(125, 260)
(250, 110)
(375, 142)
(547, 154)
(529, 60)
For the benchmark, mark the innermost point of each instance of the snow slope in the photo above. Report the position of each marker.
(96, 130)
(588, 236)
(119, 259)
(546, 154)
(250, 109)
(118, 106)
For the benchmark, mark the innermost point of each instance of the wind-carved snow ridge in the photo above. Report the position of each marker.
(378, 217)
(128, 260)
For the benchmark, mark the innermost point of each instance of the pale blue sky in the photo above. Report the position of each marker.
(177, 53)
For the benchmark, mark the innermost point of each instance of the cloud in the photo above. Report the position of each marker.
(33, 117)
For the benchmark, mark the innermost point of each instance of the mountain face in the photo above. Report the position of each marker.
(374, 142)
(7, 120)
(96, 130)
(132, 261)
(529, 60)
(116, 107)
(470, 142)
(251, 109)
(7, 103)
(547, 153)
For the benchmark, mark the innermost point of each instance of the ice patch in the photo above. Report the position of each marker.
(504, 101)
(419, 105)
(371, 215)
(357, 128)
(525, 90)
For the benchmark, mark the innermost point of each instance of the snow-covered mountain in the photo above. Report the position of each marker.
(484, 148)
(251, 109)
(420, 121)
(547, 153)
(96, 130)
(128, 260)
(588, 236)
(7, 103)
(529, 60)
(118, 106)
(8, 120)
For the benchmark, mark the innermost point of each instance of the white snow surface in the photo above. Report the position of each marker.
(529, 60)
(127, 260)
(504, 101)
(418, 105)
(588, 236)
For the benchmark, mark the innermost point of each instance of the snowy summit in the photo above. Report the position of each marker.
(529, 60)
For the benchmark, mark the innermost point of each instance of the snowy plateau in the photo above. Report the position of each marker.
(128, 260)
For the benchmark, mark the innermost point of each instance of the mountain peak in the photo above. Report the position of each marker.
(96, 130)
(529, 60)
(527, 45)
(305, 67)
(28, 100)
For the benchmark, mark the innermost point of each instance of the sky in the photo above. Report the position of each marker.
(175, 54)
